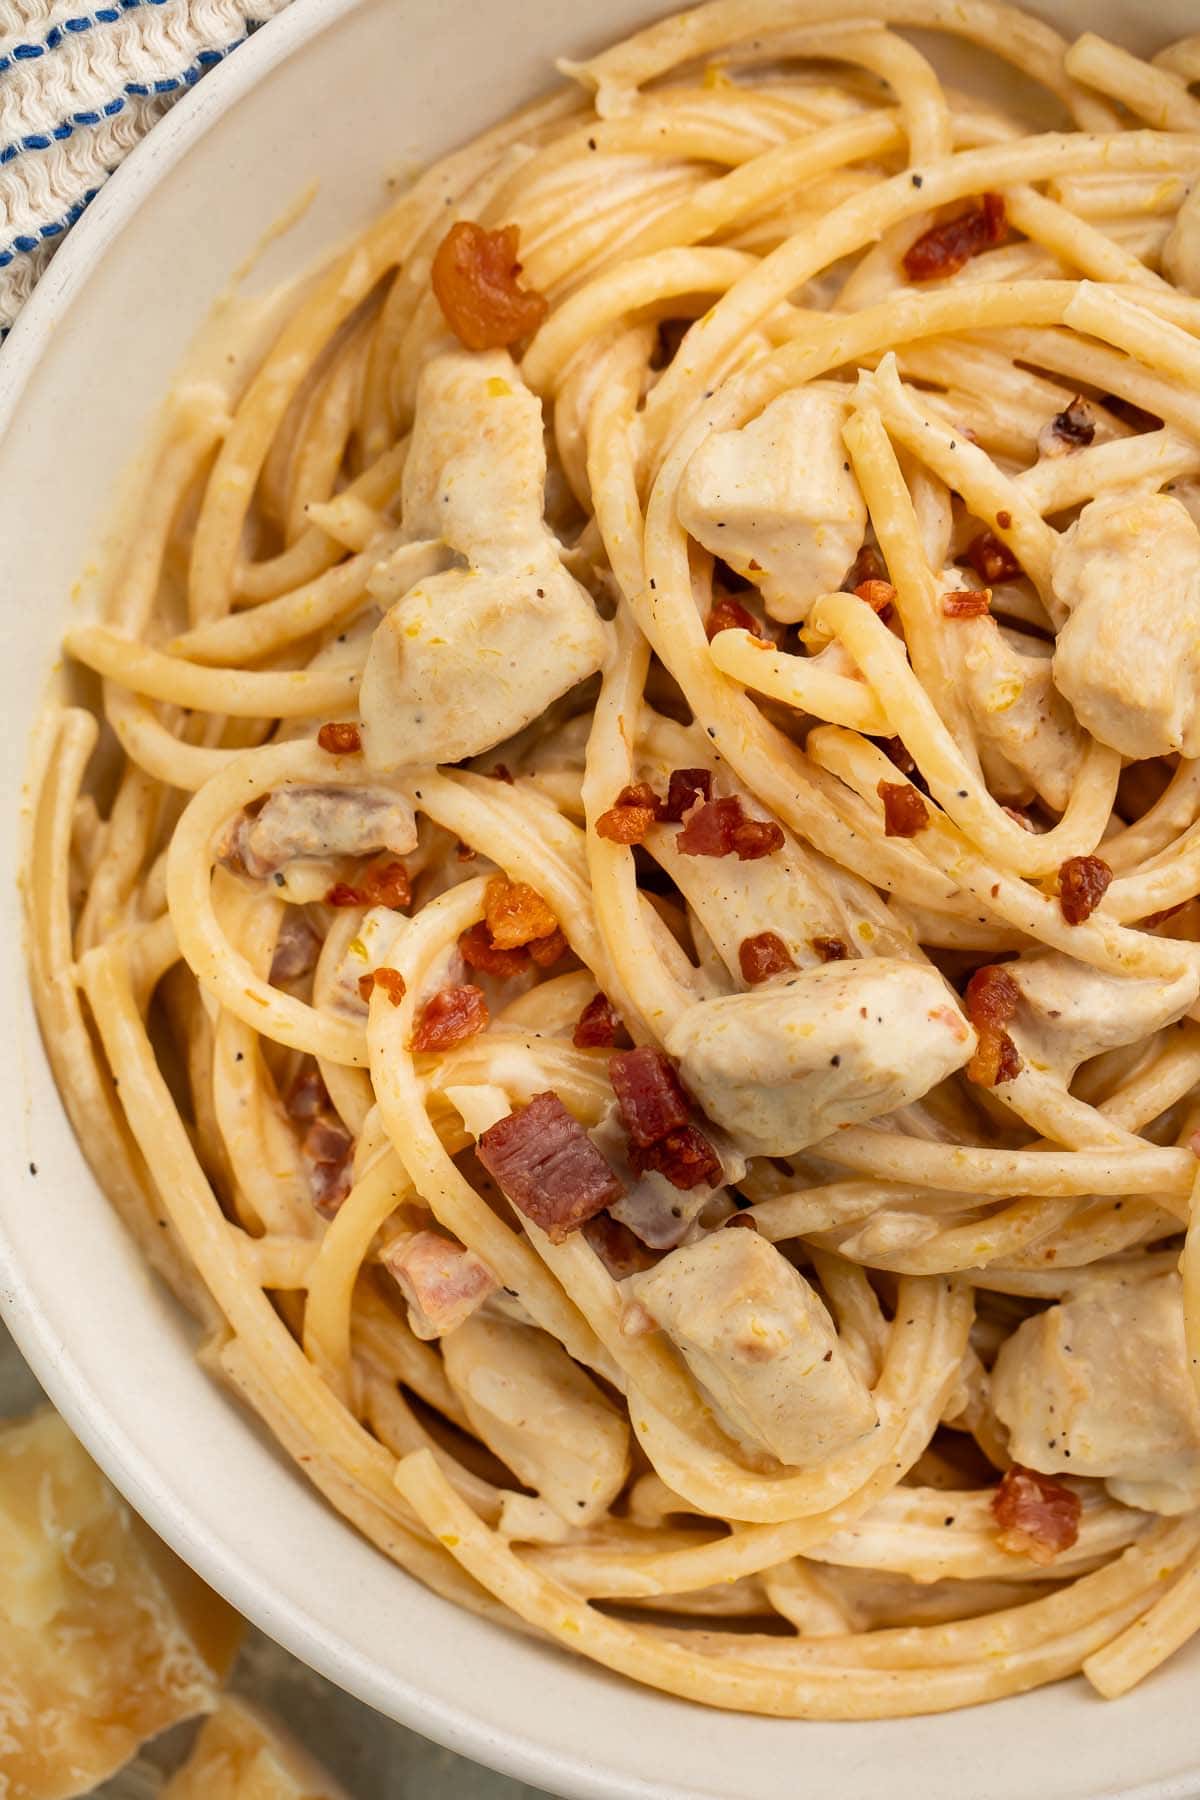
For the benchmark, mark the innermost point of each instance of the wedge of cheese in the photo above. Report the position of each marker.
(105, 1637)
(242, 1754)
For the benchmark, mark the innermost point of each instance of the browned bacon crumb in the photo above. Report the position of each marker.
(474, 278)
(1038, 1517)
(992, 999)
(631, 815)
(449, 1017)
(1083, 882)
(731, 615)
(763, 955)
(684, 788)
(389, 981)
(904, 811)
(548, 1167)
(878, 595)
(967, 603)
(867, 566)
(546, 951)
(991, 559)
(515, 913)
(684, 1156)
(340, 739)
(949, 246)
(724, 828)
(479, 952)
(1071, 429)
(830, 949)
(599, 1026)
(381, 884)
(650, 1095)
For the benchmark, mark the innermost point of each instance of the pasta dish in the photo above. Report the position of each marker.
(613, 899)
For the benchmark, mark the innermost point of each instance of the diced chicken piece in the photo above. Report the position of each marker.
(1181, 252)
(1029, 739)
(777, 501)
(1070, 1012)
(442, 1283)
(540, 1414)
(1128, 658)
(1101, 1386)
(470, 656)
(105, 1638)
(300, 824)
(784, 1066)
(759, 1340)
(242, 1754)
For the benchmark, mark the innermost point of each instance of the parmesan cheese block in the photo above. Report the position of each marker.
(241, 1754)
(105, 1637)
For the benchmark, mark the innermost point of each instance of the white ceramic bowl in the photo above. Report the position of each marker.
(341, 93)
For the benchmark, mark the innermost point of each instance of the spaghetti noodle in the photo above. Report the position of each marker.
(667, 703)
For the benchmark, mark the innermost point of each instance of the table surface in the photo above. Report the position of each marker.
(373, 1758)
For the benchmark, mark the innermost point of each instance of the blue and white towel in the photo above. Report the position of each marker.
(79, 85)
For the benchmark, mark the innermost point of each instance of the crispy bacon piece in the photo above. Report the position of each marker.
(992, 999)
(967, 603)
(724, 828)
(442, 1282)
(652, 1099)
(991, 559)
(685, 1157)
(548, 1167)
(1083, 882)
(1071, 429)
(546, 951)
(621, 1252)
(878, 595)
(340, 739)
(1130, 413)
(342, 894)
(830, 949)
(867, 566)
(948, 247)
(684, 788)
(904, 811)
(515, 913)
(391, 981)
(307, 1095)
(1038, 1517)
(381, 884)
(449, 1017)
(296, 948)
(730, 615)
(479, 952)
(598, 1027)
(631, 815)
(327, 1150)
(763, 955)
(474, 278)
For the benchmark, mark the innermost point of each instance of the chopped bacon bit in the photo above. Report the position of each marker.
(390, 981)
(296, 948)
(474, 277)
(449, 1017)
(546, 951)
(723, 828)
(878, 595)
(340, 739)
(991, 559)
(967, 603)
(946, 248)
(904, 811)
(867, 566)
(1131, 414)
(442, 1282)
(1038, 1517)
(763, 955)
(684, 788)
(548, 1167)
(599, 1026)
(1071, 429)
(650, 1095)
(830, 949)
(342, 894)
(384, 884)
(992, 999)
(479, 952)
(515, 913)
(307, 1095)
(328, 1151)
(618, 1249)
(501, 772)
(631, 815)
(1004, 519)
(895, 751)
(685, 1157)
(731, 615)
(1082, 884)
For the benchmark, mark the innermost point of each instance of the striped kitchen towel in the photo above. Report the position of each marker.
(79, 85)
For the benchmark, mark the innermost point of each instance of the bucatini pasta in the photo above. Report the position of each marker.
(623, 927)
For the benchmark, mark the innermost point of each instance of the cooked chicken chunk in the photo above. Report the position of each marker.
(783, 1066)
(1029, 740)
(1101, 1386)
(470, 656)
(540, 1414)
(299, 824)
(777, 500)
(761, 1342)
(1070, 1012)
(1128, 658)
